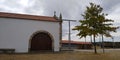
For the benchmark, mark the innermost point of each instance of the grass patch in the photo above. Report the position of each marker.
(67, 55)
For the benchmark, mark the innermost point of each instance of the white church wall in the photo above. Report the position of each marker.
(16, 33)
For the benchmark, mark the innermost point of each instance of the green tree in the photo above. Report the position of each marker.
(94, 23)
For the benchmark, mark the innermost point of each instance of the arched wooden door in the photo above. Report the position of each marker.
(41, 41)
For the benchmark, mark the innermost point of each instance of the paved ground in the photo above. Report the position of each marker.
(98, 50)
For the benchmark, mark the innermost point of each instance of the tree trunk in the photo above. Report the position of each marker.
(95, 45)
(85, 44)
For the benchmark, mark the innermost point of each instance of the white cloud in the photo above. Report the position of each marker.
(24, 3)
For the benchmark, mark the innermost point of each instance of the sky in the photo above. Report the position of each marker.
(70, 9)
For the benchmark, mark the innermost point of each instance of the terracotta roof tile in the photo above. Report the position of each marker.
(28, 17)
(75, 42)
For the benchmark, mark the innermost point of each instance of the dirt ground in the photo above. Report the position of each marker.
(64, 55)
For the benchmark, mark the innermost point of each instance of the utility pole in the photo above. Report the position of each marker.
(113, 42)
(103, 44)
(69, 34)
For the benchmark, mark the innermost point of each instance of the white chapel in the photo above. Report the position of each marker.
(26, 33)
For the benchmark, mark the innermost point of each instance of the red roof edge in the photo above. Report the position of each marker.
(75, 42)
(28, 17)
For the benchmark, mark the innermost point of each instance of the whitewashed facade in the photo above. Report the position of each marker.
(16, 33)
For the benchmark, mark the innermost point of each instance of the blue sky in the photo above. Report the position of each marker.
(70, 9)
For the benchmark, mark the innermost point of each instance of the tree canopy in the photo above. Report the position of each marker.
(95, 23)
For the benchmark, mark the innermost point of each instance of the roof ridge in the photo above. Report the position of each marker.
(27, 16)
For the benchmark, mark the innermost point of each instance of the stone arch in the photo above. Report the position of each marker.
(41, 41)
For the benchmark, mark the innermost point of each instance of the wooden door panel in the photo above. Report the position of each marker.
(41, 41)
